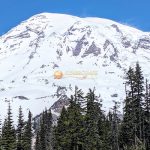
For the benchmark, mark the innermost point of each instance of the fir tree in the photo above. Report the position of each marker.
(127, 126)
(49, 135)
(147, 117)
(104, 128)
(75, 123)
(138, 101)
(20, 129)
(42, 132)
(92, 137)
(132, 125)
(79, 98)
(8, 132)
(37, 142)
(27, 136)
(61, 134)
(115, 127)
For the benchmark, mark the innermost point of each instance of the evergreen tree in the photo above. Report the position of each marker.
(42, 132)
(132, 125)
(75, 123)
(115, 127)
(37, 142)
(49, 135)
(104, 128)
(8, 132)
(127, 126)
(27, 136)
(69, 131)
(61, 132)
(130, 77)
(147, 117)
(92, 137)
(79, 98)
(20, 129)
(138, 102)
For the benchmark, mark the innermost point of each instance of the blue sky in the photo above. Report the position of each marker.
(133, 12)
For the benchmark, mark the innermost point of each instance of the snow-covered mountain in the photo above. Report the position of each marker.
(78, 47)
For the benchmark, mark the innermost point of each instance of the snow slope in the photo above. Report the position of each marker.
(31, 52)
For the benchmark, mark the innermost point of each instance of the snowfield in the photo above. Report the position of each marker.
(31, 53)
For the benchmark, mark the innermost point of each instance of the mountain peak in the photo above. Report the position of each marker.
(77, 47)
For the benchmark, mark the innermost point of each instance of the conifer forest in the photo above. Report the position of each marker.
(84, 125)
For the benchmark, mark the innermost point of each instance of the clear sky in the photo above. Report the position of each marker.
(133, 12)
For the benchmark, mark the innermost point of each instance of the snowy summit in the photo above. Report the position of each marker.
(32, 52)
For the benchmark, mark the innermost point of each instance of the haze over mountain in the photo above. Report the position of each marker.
(31, 53)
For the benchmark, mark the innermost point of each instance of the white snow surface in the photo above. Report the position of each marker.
(31, 52)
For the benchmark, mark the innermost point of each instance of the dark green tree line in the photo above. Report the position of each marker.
(83, 125)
